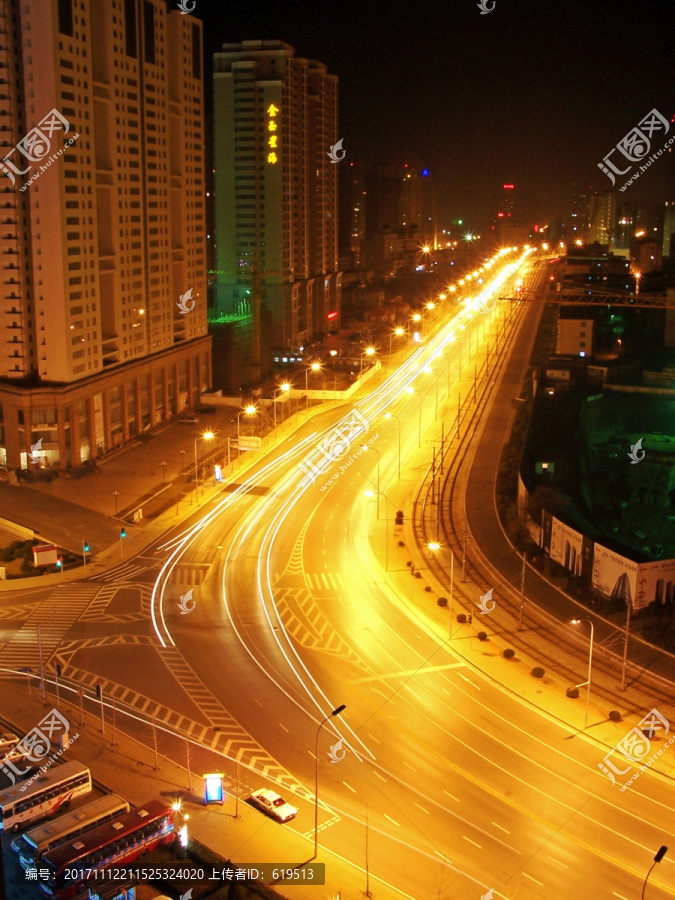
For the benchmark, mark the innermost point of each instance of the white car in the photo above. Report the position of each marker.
(8, 742)
(272, 803)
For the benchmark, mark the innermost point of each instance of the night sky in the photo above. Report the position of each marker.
(534, 93)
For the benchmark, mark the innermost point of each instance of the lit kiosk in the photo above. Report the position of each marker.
(213, 788)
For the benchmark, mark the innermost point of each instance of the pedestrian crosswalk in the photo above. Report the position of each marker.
(190, 573)
(56, 616)
(127, 572)
(324, 581)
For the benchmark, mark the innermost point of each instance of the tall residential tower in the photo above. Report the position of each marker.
(103, 228)
(276, 119)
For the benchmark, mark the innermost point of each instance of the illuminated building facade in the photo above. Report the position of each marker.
(276, 119)
(104, 232)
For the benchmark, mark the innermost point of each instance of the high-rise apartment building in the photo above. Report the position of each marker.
(276, 119)
(602, 217)
(102, 224)
(352, 209)
(418, 205)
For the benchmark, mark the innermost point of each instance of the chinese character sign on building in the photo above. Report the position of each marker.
(272, 134)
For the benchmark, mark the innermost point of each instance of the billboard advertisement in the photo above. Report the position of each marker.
(655, 584)
(566, 547)
(614, 575)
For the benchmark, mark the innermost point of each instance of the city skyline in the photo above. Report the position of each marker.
(555, 88)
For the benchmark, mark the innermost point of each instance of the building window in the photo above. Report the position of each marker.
(66, 17)
(196, 52)
(130, 27)
(149, 31)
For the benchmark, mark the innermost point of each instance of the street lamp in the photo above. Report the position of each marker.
(249, 410)
(336, 712)
(282, 389)
(417, 318)
(315, 367)
(369, 351)
(207, 436)
(410, 390)
(116, 495)
(657, 859)
(392, 416)
(397, 332)
(590, 664)
(365, 447)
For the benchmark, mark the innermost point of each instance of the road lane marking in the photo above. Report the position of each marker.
(374, 739)
(421, 807)
(350, 787)
(258, 702)
(404, 674)
(391, 820)
(450, 795)
(533, 879)
(311, 754)
(408, 765)
(469, 681)
(562, 864)
(284, 727)
(472, 842)
(505, 830)
(620, 896)
(379, 776)
(438, 853)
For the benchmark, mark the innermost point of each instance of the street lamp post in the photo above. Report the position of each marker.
(369, 351)
(410, 390)
(315, 367)
(626, 638)
(590, 665)
(207, 436)
(249, 410)
(282, 389)
(657, 859)
(182, 460)
(336, 712)
(397, 332)
(392, 416)
(116, 495)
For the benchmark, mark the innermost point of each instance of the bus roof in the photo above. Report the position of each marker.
(52, 776)
(116, 829)
(74, 819)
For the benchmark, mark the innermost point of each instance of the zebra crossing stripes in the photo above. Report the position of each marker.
(324, 582)
(55, 617)
(127, 572)
(189, 573)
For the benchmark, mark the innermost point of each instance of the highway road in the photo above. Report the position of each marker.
(447, 783)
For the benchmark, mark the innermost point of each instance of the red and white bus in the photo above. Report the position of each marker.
(110, 846)
(32, 845)
(40, 797)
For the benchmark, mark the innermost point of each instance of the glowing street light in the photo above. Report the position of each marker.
(206, 436)
(249, 410)
(336, 712)
(314, 367)
(282, 389)
(369, 351)
(397, 332)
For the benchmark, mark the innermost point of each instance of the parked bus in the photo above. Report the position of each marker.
(35, 843)
(48, 793)
(107, 847)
